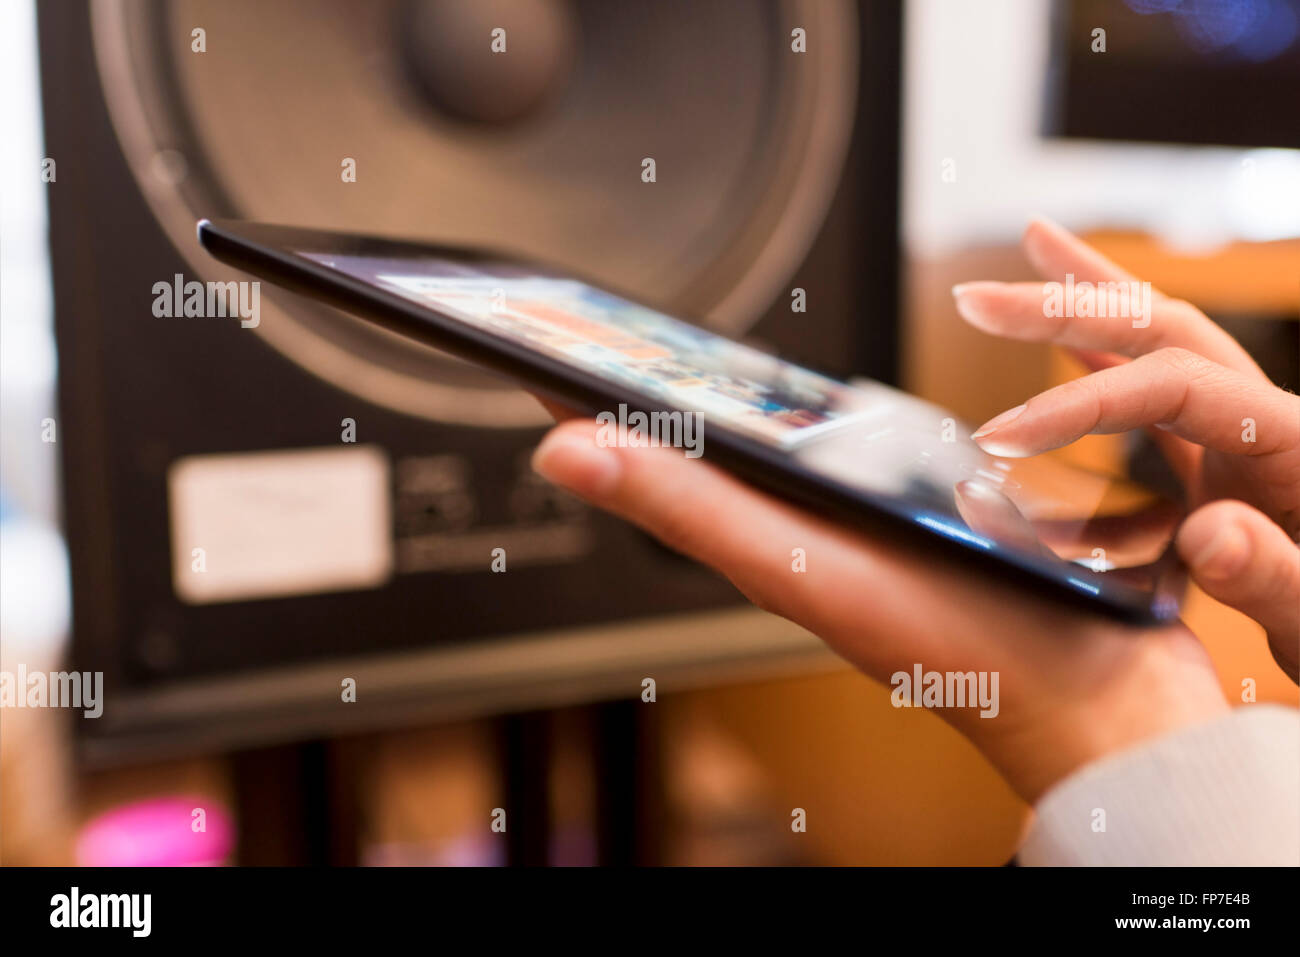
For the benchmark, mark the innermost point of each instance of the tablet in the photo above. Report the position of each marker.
(861, 453)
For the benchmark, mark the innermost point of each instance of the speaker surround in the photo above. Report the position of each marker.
(748, 138)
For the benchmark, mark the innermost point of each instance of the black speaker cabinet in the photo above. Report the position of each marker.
(257, 514)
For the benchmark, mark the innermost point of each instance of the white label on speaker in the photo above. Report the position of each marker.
(275, 524)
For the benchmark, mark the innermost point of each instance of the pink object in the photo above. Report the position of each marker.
(161, 832)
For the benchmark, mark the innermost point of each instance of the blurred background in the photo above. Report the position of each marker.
(900, 151)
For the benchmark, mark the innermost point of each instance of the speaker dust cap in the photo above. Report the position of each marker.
(536, 149)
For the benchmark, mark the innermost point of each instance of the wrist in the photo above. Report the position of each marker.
(1163, 683)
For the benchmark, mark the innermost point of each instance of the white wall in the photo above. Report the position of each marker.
(974, 86)
(28, 468)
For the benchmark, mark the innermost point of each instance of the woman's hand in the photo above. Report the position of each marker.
(1072, 686)
(1231, 435)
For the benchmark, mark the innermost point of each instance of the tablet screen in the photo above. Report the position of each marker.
(910, 457)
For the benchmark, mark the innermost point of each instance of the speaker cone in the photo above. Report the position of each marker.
(536, 149)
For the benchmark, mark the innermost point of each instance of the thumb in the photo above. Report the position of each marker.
(1244, 559)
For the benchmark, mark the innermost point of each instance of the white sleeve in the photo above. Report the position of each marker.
(1222, 793)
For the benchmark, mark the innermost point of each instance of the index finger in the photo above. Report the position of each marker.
(1172, 389)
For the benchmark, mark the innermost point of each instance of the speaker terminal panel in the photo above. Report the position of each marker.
(438, 526)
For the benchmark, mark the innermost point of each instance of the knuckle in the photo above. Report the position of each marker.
(759, 595)
(1185, 362)
(676, 527)
(1175, 356)
(1077, 389)
(1279, 581)
(1090, 393)
(1273, 573)
(1288, 575)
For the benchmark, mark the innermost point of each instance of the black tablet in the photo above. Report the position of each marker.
(862, 453)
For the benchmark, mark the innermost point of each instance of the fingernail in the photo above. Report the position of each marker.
(575, 462)
(968, 306)
(1224, 555)
(985, 285)
(1032, 241)
(997, 422)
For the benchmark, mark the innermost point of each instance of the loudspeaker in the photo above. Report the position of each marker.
(519, 125)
